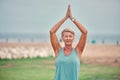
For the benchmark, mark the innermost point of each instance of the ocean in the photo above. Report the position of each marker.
(19, 37)
(93, 39)
(104, 39)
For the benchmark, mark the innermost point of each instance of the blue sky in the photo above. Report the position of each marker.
(38, 16)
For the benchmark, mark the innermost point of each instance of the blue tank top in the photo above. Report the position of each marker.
(67, 67)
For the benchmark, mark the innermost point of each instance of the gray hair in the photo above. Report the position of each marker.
(68, 29)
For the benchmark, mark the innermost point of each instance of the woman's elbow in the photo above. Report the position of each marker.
(51, 31)
(85, 32)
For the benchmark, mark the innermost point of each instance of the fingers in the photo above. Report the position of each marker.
(66, 16)
(69, 12)
(68, 6)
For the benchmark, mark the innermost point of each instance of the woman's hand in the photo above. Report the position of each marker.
(69, 12)
(67, 16)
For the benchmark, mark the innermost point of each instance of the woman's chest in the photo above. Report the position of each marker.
(71, 59)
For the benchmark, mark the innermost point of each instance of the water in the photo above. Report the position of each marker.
(94, 39)
(104, 39)
(15, 37)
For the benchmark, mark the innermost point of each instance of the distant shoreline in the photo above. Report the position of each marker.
(38, 38)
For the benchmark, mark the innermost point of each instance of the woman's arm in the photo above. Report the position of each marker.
(54, 40)
(81, 44)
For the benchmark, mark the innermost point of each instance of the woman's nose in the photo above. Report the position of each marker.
(68, 38)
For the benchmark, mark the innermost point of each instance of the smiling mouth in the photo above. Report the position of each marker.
(68, 41)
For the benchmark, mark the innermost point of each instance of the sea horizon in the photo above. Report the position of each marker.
(44, 37)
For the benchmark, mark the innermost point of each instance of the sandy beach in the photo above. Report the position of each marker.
(93, 54)
(102, 54)
(25, 50)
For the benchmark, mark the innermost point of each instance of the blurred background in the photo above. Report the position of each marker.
(25, 48)
(31, 20)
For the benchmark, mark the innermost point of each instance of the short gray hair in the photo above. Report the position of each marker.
(68, 29)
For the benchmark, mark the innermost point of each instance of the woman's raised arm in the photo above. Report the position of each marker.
(81, 44)
(53, 37)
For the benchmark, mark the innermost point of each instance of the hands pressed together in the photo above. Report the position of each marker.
(68, 13)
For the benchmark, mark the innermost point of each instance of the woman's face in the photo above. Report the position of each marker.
(68, 38)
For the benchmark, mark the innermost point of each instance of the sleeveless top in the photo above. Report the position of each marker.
(67, 67)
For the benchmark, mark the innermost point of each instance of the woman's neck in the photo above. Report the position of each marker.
(68, 47)
(67, 50)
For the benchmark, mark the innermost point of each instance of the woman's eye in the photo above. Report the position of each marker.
(70, 36)
(66, 36)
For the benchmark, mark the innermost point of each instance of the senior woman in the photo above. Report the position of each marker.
(67, 57)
